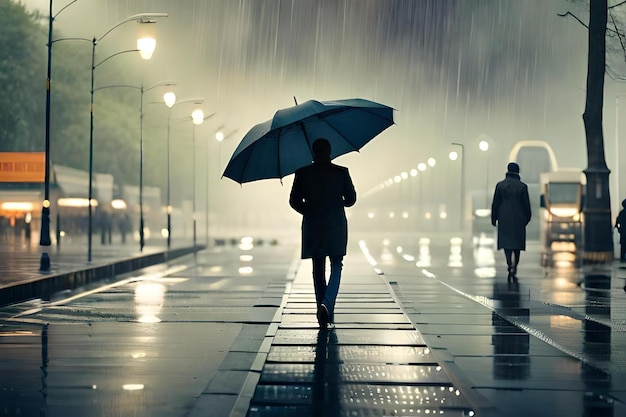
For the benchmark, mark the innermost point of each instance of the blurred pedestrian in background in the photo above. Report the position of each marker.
(510, 212)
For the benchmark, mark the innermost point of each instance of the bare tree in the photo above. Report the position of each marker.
(598, 239)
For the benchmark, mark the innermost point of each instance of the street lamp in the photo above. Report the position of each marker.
(483, 145)
(142, 91)
(198, 117)
(170, 102)
(146, 53)
(44, 235)
(462, 156)
(421, 167)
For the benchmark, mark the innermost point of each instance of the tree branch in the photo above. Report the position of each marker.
(619, 35)
(616, 5)
(574, 16)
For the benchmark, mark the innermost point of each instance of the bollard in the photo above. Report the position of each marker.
(44, 262)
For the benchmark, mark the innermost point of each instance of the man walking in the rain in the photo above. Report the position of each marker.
(510, 211)
(320, 192)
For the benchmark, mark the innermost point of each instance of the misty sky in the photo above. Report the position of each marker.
(455, 71)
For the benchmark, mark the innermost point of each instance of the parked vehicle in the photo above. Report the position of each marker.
(561, 230)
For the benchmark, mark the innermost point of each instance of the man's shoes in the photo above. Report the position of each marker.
(323, 317)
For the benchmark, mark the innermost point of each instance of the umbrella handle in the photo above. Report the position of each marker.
(294, 100)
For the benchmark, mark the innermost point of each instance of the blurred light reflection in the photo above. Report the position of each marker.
(424, 257)
(149, 297)
(455, 259)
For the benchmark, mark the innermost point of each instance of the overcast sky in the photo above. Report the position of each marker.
(455, 71)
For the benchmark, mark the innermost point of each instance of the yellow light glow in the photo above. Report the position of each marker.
(133, 387)
(46, 203)
(146, 47)
(219, 136)
(16, 206)
(169, 98)
(564, 211)
(118, 204)
(164, 233)
(482, 212)
(197, 116)
(73, 202)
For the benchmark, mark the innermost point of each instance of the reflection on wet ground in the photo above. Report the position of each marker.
(578, 312)
(373, 363)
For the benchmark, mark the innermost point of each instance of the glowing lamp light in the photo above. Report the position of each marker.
(219, 136)
(421, 166)
(118, 204)
(146, 47)
(483, 145)
(482, 212)
(76, 202)
(169, 98)
(16, 206)
(432, 162)
(197, 116)
(453, 156)
(46, 203)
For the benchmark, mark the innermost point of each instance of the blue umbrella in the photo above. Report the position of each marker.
(278, 147)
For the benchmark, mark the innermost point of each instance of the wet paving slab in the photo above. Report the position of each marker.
(374, 362)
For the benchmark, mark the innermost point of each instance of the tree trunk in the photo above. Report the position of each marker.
(597, 209)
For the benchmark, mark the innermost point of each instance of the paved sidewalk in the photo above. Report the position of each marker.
(373, 363)
(21, 279)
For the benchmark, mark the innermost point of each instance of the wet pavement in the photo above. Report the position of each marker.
(424, 326)
(374, 362)
(22, 277)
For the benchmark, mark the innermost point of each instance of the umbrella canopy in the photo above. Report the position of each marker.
(281, 145)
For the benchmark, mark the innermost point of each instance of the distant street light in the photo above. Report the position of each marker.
(197, 117)
(484, 146)
(170, 102)
(421, 167)
(462, 156)
(146, 53)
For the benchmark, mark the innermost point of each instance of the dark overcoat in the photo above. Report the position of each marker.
(510, 209)
(320, 192)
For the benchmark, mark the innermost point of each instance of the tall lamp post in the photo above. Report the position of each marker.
(421, 167)
(145, 46)
(198, 117)
(484, 146)
(44, 235)
(141, 218)
(142, 90)
(170, 102)
(462, 182)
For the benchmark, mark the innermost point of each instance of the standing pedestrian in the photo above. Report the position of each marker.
(320, 192)
(510, 211)
(620, 225)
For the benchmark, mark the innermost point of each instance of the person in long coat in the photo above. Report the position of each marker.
(510, 212)
(320, 192)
